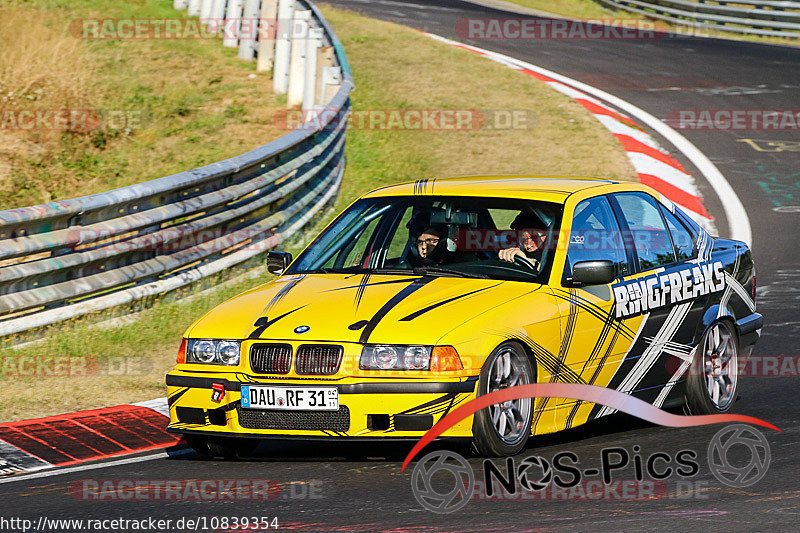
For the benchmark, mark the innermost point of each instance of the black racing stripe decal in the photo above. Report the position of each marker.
(388, 306)
(174, 398)
(600, 339)
(563, 350)
(282, 293)
(355, 326)
(360, 291)
(592, 308)
(431, 307)
(263, 323)
(544, 357)
(361, 286)
(609, 325)
(436, 403)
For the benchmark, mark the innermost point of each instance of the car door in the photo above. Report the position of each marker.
(593, 340)
(660, 291)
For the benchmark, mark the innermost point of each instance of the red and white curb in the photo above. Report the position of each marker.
(654, 166)
(76, 438)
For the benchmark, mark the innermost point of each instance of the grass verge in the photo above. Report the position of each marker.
(161, 105)
(127, 362)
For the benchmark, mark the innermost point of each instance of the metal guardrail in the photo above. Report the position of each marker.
(772, 18)
(68, 258)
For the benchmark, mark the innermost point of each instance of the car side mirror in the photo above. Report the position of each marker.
(277, 262)
(593, 272)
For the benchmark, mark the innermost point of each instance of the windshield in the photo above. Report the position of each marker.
(498, 238)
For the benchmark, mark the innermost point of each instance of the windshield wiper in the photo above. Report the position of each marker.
(446, 271)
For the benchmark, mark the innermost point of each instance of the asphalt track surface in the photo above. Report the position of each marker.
(346, 487)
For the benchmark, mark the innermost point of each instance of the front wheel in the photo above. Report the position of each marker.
(713, 377)
(503, 429)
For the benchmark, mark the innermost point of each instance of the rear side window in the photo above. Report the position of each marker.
(682, 240)
(596, 236)
(649, 234)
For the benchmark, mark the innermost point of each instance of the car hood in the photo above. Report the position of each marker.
(356, 308)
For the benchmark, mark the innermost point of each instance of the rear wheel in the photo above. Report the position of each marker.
(503, 429)
(713, 379)
(226, 447)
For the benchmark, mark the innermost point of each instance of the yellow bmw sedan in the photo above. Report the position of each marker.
(424, 295)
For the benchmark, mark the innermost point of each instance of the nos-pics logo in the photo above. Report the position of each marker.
(444, 481)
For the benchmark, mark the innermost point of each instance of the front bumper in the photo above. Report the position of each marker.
(387, 408)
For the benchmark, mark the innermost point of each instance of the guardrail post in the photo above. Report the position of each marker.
(331, 81)
(248, 29)
(313, 44)
(233, 20)
(266, 35)
(180, 4)
(300, 29)
(283, 47)
(194, 7)
(325, 55)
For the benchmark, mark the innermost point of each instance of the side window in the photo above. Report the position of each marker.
(650, 236)
(399, 239)
(681, 238)
(596, 236)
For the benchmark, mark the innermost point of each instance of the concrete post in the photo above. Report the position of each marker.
(266, 35)
(205, 9)
(248, 29)
(233, 19)
(283, 46)
(297, 71)
(217, 16)
(194, 7)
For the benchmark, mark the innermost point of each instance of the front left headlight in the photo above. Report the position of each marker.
(213, 352)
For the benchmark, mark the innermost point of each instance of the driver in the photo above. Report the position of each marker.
(531, 234)
(429, 247)
(428, 244)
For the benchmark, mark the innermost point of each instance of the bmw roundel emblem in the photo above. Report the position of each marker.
(301, 329)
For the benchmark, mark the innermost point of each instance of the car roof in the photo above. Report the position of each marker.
(548, 188)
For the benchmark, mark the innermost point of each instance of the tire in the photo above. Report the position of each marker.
(712, 382)
(225, 447)
(503, 429)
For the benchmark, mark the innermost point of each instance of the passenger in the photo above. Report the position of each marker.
(531, 234)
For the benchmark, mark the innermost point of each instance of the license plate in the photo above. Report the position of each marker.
(290, 398)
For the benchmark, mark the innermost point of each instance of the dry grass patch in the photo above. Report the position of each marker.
(183, 103)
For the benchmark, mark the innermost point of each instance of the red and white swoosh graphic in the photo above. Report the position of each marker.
(587, 393)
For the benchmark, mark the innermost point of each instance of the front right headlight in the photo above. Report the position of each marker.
(213, 351)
